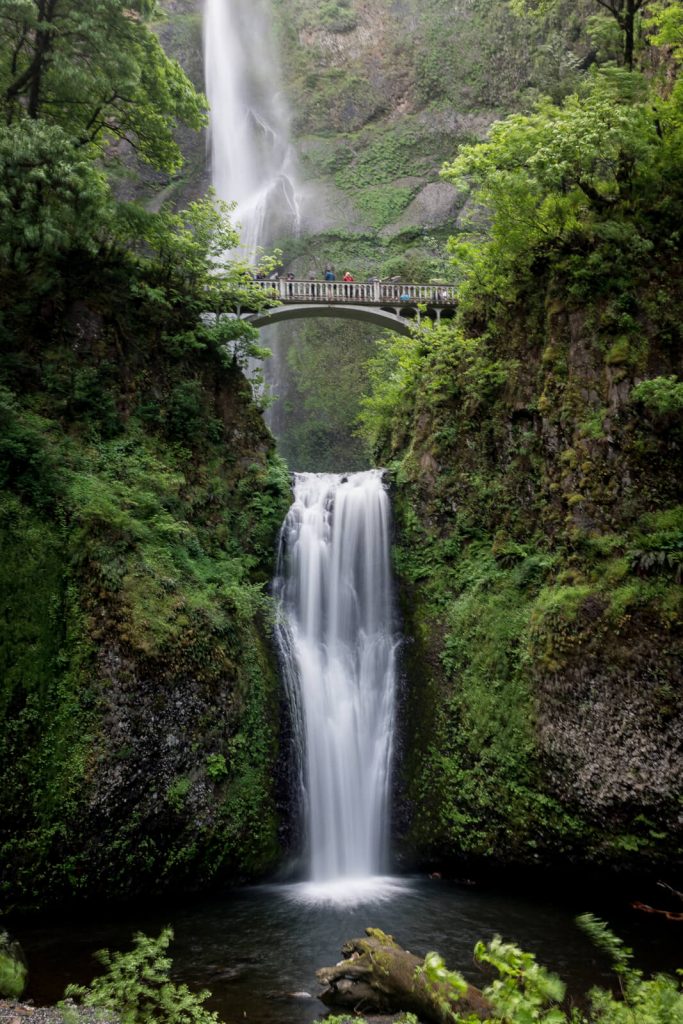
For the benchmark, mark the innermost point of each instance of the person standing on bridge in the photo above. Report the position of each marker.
(348, 277)
(330, 287)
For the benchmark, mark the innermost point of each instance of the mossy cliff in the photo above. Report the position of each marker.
(141, 501)
(539, 551)
(381, 94)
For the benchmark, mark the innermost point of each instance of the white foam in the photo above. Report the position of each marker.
(347, 892)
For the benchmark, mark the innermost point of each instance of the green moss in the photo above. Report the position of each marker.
(136, 549)
(620, 352)
(531, 559)
(383, 205)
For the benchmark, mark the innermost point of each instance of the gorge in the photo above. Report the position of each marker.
(176, 723)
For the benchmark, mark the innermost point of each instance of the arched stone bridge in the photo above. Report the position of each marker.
(385, 304)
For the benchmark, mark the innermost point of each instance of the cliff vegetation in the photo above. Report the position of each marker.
(535, 445)
(141, 493)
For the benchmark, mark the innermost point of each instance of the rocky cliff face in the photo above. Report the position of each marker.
(539, 548)
(381, 94)
(140, 703)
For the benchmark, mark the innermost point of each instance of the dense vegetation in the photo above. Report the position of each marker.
(535, 446)
(141, 493)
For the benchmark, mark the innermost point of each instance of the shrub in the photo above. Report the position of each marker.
(137, 987)
(661, 395)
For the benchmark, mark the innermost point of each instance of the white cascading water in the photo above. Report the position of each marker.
(336, 630)
(338, 647)
(252, 161)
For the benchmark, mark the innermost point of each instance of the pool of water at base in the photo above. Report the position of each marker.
(257, 949)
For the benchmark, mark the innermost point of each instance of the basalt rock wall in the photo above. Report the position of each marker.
(536, 494)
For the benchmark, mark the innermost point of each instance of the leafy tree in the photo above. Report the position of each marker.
(52, 197)
(594, 168)
(626, 13)
(662, 395)
(94, 68)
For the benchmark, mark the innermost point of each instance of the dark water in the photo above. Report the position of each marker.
(256, 948)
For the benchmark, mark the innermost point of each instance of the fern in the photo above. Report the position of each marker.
(137, 988)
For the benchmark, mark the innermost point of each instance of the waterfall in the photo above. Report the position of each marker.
(251, 157)
(338, 648)
(336, 624)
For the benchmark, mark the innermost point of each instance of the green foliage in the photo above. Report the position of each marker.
(666, 18)
(661, 395)
(580, 170)
(657, 1000)
(448, 364)
(177, 792)
(94, 68)
(626, 19)
(52, 198)
(13, 971)
(604, 939)
(525, 992)
(137, 987)
(336, 15)
(383, 205)
(216, 768)
(434, 970)
(12, 977)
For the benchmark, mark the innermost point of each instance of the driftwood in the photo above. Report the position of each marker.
(377, 974)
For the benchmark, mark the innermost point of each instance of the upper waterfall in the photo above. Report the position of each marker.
(252, 161)
(338, 644)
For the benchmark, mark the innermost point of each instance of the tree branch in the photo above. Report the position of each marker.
(602, 202)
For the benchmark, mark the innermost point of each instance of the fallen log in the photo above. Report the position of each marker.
(376, 974)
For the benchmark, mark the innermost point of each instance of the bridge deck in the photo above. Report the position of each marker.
(357, 293)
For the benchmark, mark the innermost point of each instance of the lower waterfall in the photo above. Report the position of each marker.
(338, 641)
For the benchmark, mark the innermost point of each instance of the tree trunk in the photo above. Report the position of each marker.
(43, 46)
(629, 33)
(377, 974)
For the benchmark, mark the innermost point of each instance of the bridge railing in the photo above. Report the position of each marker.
(371, 293)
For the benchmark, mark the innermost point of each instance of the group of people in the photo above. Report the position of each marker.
(331, 277)
(392, 290)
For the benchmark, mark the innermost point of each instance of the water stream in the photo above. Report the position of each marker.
(257, 949)
(338, 643)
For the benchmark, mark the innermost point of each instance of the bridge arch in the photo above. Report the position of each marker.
(367, 314)
(387, 304)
